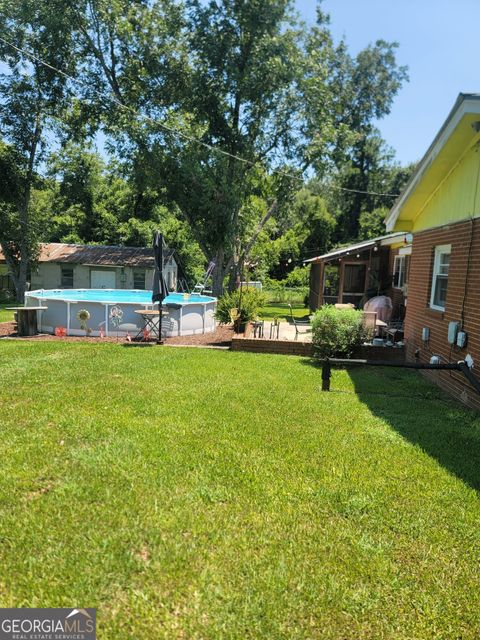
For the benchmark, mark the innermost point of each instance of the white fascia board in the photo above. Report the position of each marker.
(465, 103)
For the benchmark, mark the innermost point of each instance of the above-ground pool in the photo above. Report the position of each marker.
(183, 314)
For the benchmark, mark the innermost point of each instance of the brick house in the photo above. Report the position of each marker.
(77, 266)
(440, 207)
(355, 273)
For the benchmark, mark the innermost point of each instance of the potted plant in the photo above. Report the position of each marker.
(236, 320)
(239, 307)
(83, 316)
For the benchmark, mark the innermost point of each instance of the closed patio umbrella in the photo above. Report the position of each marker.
(160, 289)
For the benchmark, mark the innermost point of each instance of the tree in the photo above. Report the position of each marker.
(30, 95)
(213, 109)
(223, 72)
(78, 174)
(16, 238)
(371, 224)
(342, 106)
(287, 241)
(246, 60)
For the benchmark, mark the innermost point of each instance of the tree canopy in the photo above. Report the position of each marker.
(241, 132)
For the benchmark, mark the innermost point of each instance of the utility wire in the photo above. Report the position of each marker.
(173, 130)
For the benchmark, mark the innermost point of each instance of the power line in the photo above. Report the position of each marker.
(173, 130)
(368, 193)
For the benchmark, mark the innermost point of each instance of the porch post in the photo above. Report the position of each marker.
(340, 283)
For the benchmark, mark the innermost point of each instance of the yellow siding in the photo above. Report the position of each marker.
(453, 200)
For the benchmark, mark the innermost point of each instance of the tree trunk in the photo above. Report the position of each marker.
(21, 283)
(17, 270)
(218, 274)
(235, 277)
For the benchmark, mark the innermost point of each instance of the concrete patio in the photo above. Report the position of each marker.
(285, 343)
(286, 331)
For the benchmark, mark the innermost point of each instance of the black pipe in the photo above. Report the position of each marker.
(465, 369)
(389, 363)
(461, 366)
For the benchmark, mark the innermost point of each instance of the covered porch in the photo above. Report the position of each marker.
(353, 274)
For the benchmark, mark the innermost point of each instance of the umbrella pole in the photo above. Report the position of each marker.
(159, 339)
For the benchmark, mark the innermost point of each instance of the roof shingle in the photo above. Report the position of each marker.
(95, 255)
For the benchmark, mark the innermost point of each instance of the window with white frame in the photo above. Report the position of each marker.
(399, 272)
(441, 264)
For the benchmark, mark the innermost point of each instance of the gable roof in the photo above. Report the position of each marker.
(458, 133)
(391, 238)
(97, 255)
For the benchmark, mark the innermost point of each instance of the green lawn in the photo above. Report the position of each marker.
(190, 493)
(6, 316)
(282, 311)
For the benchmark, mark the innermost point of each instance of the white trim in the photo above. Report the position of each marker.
(405, 251)
(106, 318)
(383, 241)
(441, 249)
(401, 271)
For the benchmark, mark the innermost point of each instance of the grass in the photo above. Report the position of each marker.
(6, 316)
(287, 294)
(192, 493)
(282, 311)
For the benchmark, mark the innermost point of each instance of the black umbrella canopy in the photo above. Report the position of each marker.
(160, 289)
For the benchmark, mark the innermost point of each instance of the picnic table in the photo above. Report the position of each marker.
(27, 324)
(150, 327)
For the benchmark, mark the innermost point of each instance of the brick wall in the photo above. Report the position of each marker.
(292, 348)
(420, 315)
(388, 354)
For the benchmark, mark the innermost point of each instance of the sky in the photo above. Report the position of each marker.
(439, 43)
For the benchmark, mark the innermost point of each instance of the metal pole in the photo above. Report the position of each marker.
(160, 302)
(326, 375)
(159, 338)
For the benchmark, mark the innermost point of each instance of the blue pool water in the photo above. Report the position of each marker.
(116, 296)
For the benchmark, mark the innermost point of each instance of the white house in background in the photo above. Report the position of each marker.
(83, 266)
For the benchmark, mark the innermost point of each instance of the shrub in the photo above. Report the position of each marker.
(336, 332)
(278, 291)
(299, 277)
(246, 302)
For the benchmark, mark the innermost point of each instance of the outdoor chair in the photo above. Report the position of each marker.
(258, 327)
(394, 332)
(301, 326)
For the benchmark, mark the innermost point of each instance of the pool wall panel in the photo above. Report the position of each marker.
(180, 319)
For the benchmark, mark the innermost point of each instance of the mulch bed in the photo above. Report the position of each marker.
(222, 337)
(7, 328)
